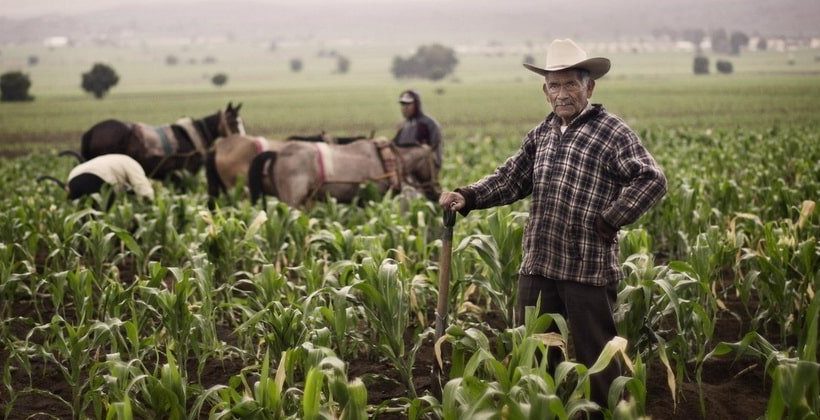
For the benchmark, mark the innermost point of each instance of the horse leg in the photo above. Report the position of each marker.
(215, 184)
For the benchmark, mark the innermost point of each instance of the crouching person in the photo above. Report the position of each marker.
(120, 171)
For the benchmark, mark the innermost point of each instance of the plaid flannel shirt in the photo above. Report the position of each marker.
(597, 166)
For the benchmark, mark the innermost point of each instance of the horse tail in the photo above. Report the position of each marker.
(255, 174)
(52, 179)
(76, 155)
(215, 184)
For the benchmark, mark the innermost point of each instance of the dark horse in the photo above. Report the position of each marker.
(162, 150)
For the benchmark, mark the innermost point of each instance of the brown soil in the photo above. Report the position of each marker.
(18, 144)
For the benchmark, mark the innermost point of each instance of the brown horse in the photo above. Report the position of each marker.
(299, 172)
(231, 156)
(161, 150)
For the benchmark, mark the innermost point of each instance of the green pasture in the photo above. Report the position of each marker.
(488, 95)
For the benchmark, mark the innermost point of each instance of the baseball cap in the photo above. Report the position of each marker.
(407, 98)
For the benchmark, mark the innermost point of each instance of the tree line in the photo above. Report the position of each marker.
(433, 62)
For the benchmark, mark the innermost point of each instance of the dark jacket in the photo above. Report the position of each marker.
(420, 129)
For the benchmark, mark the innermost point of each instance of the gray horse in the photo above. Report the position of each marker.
(300, 172)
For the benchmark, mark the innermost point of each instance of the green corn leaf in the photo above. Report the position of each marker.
(313, 393)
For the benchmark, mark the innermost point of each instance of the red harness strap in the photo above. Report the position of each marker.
(259, 143)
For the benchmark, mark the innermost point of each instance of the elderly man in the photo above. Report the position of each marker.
(588, 175)
(418, 128)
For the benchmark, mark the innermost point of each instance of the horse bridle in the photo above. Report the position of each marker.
(222, 127)
(409, 180)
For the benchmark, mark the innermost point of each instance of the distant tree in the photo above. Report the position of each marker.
(724, 66)
(720, 41)
(171, 60)
(762, 44)
(273, 46)
(14, 87)
(342, 64)
(209, 60)
(99, 80)
(219, 79)
(701, 65)
(529, 59)
(296, 65)
(737, 41)
(432, 62)
(33, 60)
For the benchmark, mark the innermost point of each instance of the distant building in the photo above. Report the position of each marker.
(56, 41)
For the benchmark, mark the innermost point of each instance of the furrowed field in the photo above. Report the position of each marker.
(170, 310)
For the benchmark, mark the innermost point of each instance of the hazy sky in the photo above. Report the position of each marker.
(27, 8)
(466, 20)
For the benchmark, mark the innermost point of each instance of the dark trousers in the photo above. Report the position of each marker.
(87, 184)
(84, 184)
(588, 310)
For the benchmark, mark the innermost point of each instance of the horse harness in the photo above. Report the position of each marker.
(162, 142)
(391, 162)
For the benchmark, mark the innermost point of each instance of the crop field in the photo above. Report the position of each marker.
(172, 310)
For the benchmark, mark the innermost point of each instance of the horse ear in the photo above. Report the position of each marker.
(230, 106)
(237, 108)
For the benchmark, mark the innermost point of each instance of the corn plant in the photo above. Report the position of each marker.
(265, 399)
(329, 394)
(166, 392)
(284, 234)
(183, 321)
(72, 349)
(796, 380)
(499, 253)
(784, 272)
(386, 303)
(520, 385)
(341, 317)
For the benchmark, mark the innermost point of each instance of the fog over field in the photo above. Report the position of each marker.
(412, 21)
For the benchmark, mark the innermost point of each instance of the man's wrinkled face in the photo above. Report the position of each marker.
(408, 109)
(568, 93)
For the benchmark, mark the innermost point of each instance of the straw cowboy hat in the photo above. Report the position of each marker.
(564, 54)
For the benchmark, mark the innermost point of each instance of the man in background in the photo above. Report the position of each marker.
(418, 128)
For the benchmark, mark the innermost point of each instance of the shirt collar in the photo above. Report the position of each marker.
(555, 122)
